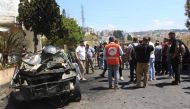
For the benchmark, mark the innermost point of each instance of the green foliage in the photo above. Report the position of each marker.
(10, 43)
(91, 39)
(129, 37)
(71, 32)
(40, 16)
(187, 13)
(118, 34)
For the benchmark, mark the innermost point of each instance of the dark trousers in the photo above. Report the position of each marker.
(133, 66)
(177, 69)
(120, 70)
(157, 66)
(105, 67)
(164, 66)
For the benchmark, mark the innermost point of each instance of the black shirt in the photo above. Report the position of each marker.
(143, 52)
(173, 46)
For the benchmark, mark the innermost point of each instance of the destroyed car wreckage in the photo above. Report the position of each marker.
(45, 75)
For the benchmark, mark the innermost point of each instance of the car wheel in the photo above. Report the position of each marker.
(14, 102)
(76, 94)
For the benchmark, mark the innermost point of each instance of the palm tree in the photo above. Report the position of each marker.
(11, 43)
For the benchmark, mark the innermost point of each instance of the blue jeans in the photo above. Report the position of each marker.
(152, 69)
(111, 69)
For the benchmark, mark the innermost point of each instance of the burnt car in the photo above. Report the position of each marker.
(45, 75)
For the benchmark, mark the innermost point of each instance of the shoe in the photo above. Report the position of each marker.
(144, 85)
(116, 87)
(154, 79)
(102, 75)
(138, 86)
(150, 80)
(121, 78)
(102, 68)
(131, 80)
(84, 79)
(170, 77)
(110, 87)
(175, 82)
(113, 79)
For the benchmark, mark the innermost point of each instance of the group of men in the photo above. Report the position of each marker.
(144, 59)
(84, 56)
(141, 59)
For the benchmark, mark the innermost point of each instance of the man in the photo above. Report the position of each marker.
(104, 62)
(164, 66)
(158, 57)
(112, 53)
(90, 53)
(132, 58)
(120, 66)
(100, 56)
(143, 52)
(176, 56)
(151, 62)
(81, 56)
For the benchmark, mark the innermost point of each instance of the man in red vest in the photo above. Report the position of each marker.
(112, 53)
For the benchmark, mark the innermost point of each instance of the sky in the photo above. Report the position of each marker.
(128, 15)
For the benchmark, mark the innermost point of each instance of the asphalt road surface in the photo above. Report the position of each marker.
(159, 94)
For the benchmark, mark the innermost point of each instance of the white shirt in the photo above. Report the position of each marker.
(152, 53)
(81, 52)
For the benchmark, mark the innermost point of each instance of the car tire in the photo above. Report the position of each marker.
(76, 94)
(14, 102)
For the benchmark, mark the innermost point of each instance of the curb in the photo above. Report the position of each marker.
(4, 90)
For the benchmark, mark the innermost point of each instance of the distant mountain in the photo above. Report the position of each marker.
(160, 31)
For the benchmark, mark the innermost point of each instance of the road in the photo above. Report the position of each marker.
(159, 94)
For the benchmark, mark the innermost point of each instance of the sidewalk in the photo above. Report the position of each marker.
(6, 76)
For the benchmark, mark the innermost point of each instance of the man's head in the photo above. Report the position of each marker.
(111, 39)
(149, 39)
(135, 39)
(82, 43)
(145, 40)
(116, 41)
(105, 43)
(157, 42)
(87, 45)
(171, 35)
(166, 40)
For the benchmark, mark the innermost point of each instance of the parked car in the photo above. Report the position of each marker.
(186, 58)
(45, 75)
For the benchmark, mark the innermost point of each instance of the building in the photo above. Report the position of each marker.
(8, 14)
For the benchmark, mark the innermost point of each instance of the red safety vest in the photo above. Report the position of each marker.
(112, 54)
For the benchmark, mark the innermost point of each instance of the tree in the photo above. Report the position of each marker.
(71, 32)
(118, 34)
(129, 37)
(11, 42)
(40, 16)
(187, 8)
